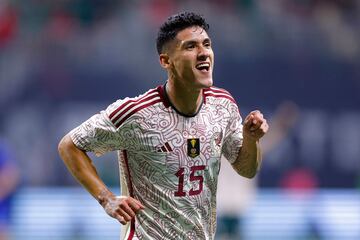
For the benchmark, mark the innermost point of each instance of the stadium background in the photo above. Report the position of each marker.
(62, 61)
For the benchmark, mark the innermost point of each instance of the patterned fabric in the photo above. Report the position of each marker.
(169, 162)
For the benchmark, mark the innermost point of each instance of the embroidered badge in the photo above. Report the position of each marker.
(193, 147)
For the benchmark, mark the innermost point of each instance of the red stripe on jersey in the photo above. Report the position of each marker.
(124, 152)
(167, 145)
(130, 101)
(132, 225)
(136, 110)
(132, 230)
(220, 96)
(217, 90)
(131, 106)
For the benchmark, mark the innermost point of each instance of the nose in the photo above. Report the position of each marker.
(203, 54)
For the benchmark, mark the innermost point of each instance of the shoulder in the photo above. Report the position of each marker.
(122, 109)
(218, 93)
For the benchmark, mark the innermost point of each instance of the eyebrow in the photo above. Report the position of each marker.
(191, 41)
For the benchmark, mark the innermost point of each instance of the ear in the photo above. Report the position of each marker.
(164, 60)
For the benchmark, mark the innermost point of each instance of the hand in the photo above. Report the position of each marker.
(121, 208)
(255, 126)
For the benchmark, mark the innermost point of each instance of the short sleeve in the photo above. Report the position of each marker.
(97, 134)
(233, 135)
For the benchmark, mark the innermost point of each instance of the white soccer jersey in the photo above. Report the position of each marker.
(168, 161)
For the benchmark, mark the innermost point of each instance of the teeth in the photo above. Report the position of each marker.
(203, 65)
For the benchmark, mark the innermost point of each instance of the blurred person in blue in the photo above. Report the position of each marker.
(169, 141)
(9, 179)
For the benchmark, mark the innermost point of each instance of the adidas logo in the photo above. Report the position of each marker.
(164, 148)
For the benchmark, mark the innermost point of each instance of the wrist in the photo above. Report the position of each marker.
(104, 196)
(249, 140)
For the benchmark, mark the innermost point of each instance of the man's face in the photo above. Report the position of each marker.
(191, 58)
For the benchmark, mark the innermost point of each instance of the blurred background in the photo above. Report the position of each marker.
(298, 61)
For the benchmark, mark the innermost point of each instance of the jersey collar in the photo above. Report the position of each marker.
(167, 103)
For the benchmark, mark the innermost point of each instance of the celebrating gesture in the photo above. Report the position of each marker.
(170, 141)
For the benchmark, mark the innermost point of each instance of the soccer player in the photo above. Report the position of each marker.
(169, 142)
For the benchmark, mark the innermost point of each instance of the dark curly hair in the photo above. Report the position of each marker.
(175, 24)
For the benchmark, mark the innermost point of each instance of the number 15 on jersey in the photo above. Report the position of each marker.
(196, 175)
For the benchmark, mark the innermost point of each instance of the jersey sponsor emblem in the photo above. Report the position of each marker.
(193, 147)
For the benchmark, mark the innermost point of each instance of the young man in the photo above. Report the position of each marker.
(169, 141)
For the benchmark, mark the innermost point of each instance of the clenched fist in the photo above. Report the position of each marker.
(255, 126)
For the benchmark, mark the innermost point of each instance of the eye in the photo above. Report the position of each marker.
(190, 46)
(207, 44)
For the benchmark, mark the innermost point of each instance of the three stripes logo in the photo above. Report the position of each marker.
(164, 148)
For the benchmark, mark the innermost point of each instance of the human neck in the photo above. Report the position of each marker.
(186, 101)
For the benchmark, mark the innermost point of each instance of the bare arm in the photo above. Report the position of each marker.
(81, 167)
(249, 158)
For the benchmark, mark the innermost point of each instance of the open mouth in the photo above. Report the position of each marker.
(203, 67)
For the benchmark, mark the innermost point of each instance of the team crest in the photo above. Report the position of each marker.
(193, 147)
